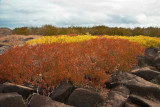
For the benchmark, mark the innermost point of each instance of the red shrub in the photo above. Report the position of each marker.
(83, 63)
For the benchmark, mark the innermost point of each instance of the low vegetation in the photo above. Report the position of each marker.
(49, 30)
(145, 41)
(85, 63)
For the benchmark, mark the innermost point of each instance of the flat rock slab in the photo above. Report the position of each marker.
(146, 73)
(22, 90)
(43, 101)
(156, 80)
(117, 97)
(84, 98)
(136, 85)
(142, 102)
(62, 92)
(11, 100)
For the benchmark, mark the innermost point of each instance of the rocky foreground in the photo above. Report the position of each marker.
(139, 87)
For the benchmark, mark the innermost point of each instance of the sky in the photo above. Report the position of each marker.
(64, 13)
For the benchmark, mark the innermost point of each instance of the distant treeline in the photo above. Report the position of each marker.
(48, 30)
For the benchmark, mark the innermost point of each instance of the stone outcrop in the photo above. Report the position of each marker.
(143, 83)
(142, 102)
(136, 85)
(150, 55)
(84, 98)
(62, 92)
(43, 101)
(117, 97)
(11, 100)
(65, 94)
(22, 90)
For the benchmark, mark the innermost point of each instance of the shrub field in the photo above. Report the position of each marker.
(145, 41)
(82, 60)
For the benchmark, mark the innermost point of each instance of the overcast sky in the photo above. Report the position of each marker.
(120, 13)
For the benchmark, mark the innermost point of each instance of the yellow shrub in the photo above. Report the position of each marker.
(60, 39)
(145, 41)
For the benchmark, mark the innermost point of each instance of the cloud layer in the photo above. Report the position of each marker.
(120, 13)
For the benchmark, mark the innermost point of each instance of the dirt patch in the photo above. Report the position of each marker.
(15, 40)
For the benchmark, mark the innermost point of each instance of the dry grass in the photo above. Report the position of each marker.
(14, 40)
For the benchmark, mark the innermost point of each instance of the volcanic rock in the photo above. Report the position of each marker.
(22, 90)
(11, 100)
(84, 98)
(62, 92)
(43, 101)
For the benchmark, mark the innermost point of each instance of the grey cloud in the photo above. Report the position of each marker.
(12, 23)
(123, 19)
(79, 12)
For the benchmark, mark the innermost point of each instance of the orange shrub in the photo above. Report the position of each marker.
(83, 63)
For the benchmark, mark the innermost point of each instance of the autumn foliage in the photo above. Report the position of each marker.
(82, 63)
